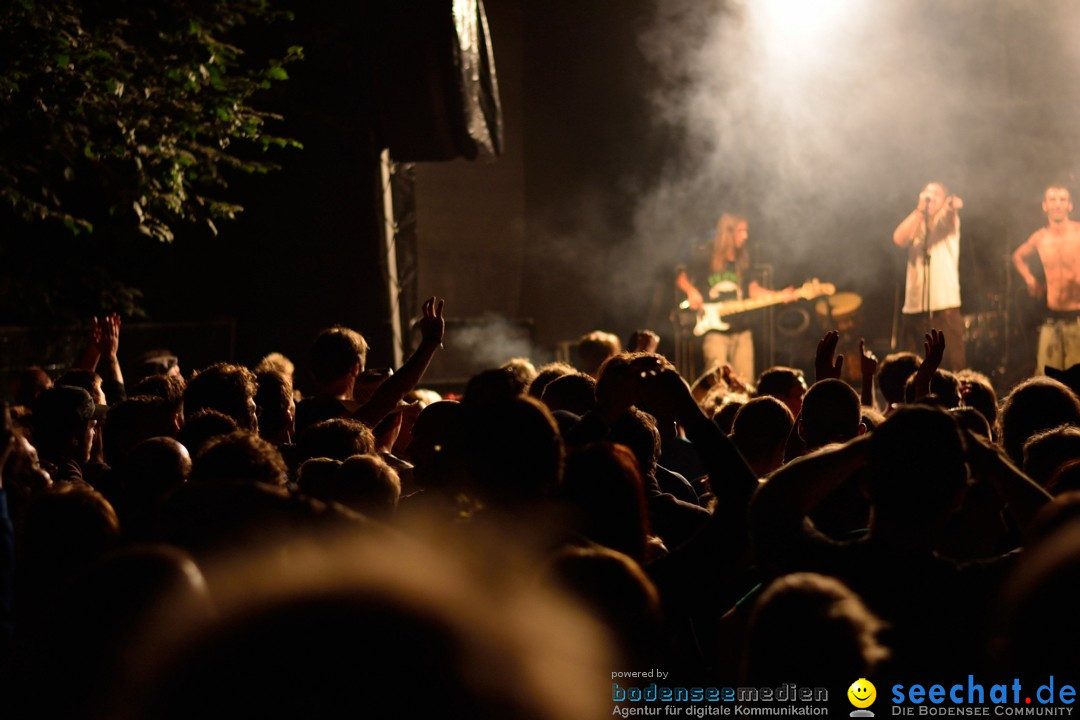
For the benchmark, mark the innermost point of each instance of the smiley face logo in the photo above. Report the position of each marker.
(862, 693)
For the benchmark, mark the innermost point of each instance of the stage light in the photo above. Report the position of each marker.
(798, 18)
(800, 31)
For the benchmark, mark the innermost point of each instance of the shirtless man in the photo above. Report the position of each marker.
(1058, 248)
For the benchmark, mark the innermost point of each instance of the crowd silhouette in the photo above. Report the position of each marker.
(177, 544)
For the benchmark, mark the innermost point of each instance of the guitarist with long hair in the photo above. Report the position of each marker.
(716, 270)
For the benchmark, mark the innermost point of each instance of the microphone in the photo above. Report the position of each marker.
(925, 203)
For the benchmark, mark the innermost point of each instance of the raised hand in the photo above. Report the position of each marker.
(934, 351)
(390, 392)
(108, 335)
(826, 365)
(644, 341)
(934, 348)
(94, 336)
(867, 367)
(432, 325)
(925, 198)
(868, 362)
(91, 354)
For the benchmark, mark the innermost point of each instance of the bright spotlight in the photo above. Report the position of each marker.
(800, 30)
(799, 16)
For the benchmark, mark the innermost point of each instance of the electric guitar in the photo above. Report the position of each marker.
(711, 316)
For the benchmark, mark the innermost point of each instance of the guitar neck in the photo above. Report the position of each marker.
(808, 291)
(732, 307)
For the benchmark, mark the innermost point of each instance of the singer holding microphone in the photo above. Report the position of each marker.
(932, 287)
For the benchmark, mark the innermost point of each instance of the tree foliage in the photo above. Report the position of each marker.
(133, 112)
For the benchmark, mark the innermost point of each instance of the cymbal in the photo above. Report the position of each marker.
(841, 304)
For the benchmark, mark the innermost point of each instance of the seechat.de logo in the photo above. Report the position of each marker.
(862, 695)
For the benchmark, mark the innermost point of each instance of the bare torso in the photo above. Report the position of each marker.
(1059, 251)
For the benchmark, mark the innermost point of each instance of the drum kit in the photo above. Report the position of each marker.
(839, 312)
(987, 342)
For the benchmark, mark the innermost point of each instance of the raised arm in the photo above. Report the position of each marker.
(907, 232)
(934, 351)
(826, 363)
(112, 379)
(91, 354)
(778, 512)
(731, 479)
(393, 389)
(868, 363)
(1021, 496)
(717, 551)
(947, 220)
(953, 205)
(643, 341)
